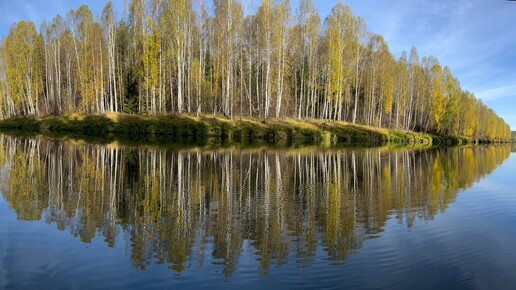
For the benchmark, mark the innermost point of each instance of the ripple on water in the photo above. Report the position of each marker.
(204, 219)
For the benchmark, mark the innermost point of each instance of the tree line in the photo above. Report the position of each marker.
(181, 56)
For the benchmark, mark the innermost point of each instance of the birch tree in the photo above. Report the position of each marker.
(180, 56)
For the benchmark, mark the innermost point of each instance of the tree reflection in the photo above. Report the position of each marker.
(182, 207)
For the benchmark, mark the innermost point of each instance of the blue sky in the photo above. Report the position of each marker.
(475, 38)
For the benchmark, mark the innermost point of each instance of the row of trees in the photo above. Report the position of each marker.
(188, 207)
(179, 56)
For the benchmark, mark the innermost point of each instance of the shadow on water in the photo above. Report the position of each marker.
(173, 203)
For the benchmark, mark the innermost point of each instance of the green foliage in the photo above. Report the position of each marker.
(130, 104)
(166, 129)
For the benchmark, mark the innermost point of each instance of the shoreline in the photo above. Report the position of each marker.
(189, 129)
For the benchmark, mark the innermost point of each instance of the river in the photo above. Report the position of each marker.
(75, 215)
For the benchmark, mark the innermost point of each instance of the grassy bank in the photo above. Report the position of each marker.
(187, 129)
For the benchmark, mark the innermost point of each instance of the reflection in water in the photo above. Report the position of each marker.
(177, 207)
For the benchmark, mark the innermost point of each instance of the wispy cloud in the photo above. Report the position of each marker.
(497, 93)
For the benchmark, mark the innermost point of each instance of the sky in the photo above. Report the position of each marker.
(475, 38)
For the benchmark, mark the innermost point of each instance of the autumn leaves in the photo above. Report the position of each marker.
(181, 56)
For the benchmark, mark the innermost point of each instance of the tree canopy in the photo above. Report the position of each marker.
(180, 56)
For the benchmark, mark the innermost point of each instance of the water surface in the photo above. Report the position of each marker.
(82, 216)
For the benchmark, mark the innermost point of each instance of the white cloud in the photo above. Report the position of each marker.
(497, 93)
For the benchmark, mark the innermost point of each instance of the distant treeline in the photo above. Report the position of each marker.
(180, 56)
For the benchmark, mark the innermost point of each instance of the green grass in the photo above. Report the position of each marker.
(134, 129)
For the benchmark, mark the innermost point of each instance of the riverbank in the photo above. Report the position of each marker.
(183, 128)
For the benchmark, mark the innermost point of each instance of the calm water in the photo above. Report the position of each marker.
(82, 216)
